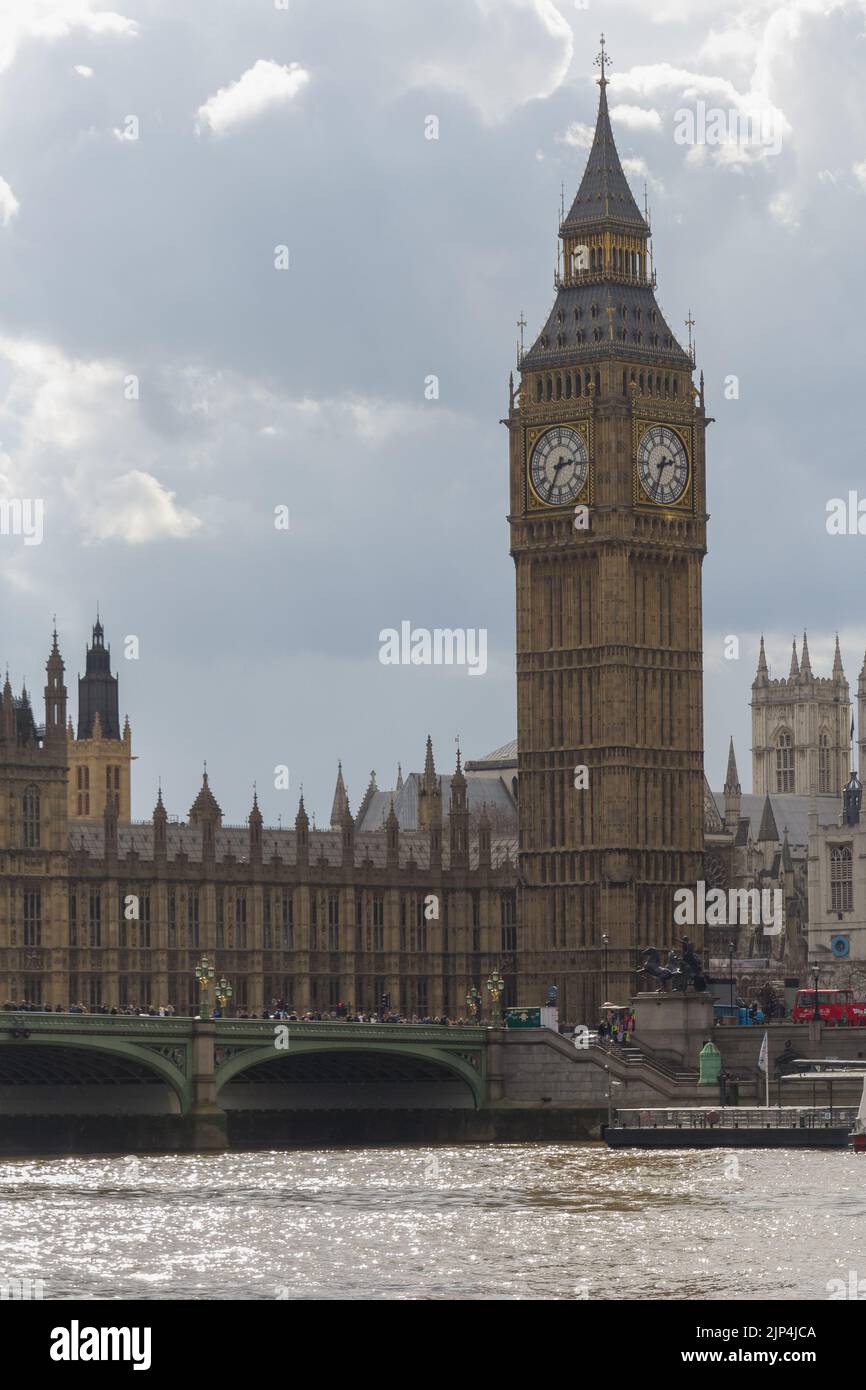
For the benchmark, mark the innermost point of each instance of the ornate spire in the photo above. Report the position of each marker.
(338, 809)
(795, 669)
(732, 779)
(768, 829)
(838, 673)
(367, 801)
(429, 765)
(205, 807)
(604, 195)
(399, 786)
(805, 663)
(763, 671)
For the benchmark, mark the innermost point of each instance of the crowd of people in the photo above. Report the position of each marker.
(617, 1026)
(278, 1009)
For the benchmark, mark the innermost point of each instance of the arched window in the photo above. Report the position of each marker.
(598, 383)
(784, 763)
(550, 388)
(841, 884)
(31, 818)
(559, 388)
(84, 791)
(824, 782)
(539, 389)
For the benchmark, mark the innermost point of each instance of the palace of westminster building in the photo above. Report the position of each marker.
(555, 858)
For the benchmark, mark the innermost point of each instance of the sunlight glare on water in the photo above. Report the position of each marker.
(523, 1221)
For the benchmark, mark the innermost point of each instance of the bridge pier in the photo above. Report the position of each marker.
(495, 1067)
(209, 1121)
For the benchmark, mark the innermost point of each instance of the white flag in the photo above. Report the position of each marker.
(763, 1056)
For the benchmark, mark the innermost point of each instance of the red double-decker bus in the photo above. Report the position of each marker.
(834, 1006)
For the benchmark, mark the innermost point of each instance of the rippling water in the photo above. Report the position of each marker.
(521, 1221)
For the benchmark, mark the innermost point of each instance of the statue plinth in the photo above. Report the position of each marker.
(673, 1024)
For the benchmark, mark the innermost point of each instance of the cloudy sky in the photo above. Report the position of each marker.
(164, 386)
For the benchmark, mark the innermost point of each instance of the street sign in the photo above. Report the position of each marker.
(523, 1018)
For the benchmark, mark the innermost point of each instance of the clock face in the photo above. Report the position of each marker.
(559, 466)
(662, 465)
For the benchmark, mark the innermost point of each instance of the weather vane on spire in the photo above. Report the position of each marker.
(601, 62)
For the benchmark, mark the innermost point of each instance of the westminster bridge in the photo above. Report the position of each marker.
(69, 1082)
(106, 1082)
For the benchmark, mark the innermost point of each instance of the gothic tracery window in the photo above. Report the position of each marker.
(841, 882)
(784, 763)
(824, 783)
(31, 818)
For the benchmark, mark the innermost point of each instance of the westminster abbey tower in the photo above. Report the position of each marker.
(608, 533)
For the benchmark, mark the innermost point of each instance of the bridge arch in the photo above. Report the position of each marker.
(23, 1054)
(423, 1058)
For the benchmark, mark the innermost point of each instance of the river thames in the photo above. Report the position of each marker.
(476, 1222)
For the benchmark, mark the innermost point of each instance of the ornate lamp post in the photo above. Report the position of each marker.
(496, 986)
(204, 973)
(731, 948)
(473, 1001)
(605, 943)
(224, 993)
(815, 1012)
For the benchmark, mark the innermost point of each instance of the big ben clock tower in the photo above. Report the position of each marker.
(608, 533)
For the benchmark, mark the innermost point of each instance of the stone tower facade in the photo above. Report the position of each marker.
(861, 722)
(801, 727)
(608, 534)
(34, 842)
(100, 757)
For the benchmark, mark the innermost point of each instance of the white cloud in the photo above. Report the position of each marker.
(578, 134)
(638, 168)
(49, 20)
(136, 508)
(636, 117)
(68, 430)
(784, 209)
(859, 172)
(510, 52)
(9, 204)
(264, 85)
(83, 70)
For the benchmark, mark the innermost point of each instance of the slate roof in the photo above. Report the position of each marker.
(481, 790)
(789, 810)
(591, 293)
(604, 194)
(503, 757)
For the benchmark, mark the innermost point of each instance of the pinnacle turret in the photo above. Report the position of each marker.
(732, 779)
(338, 808)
